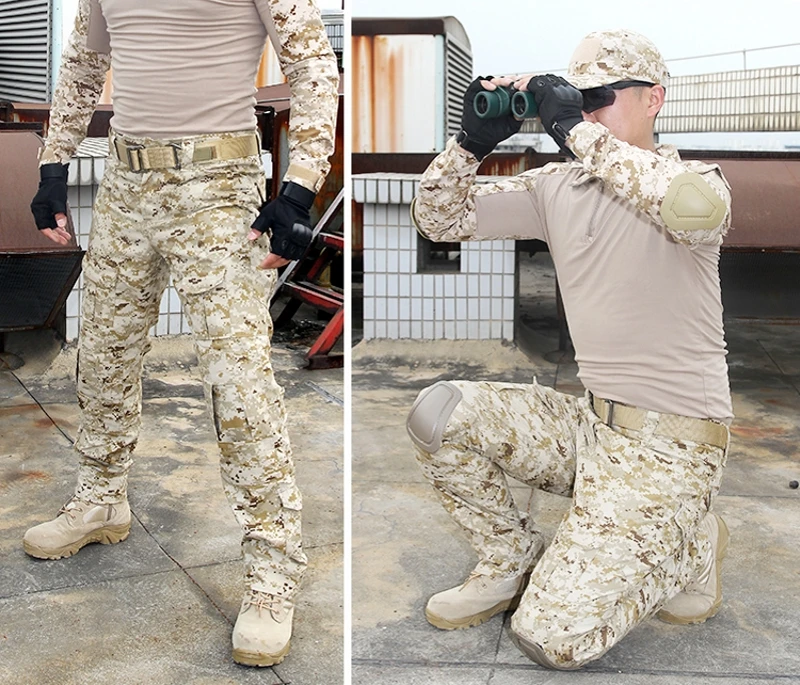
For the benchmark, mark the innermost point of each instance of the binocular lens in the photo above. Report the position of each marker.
(481, 104)
(489, 104)
(523, 105)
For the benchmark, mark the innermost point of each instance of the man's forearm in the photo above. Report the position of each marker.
(314, 88)
(444, 208)
(644, 178)
(80, 83)
(310, 66)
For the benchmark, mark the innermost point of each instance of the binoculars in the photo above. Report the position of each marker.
(491, 104)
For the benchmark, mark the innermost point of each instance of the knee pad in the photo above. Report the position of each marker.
(428, 417)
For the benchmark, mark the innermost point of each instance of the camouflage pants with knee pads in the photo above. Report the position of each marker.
(191, 222)
(630, 540)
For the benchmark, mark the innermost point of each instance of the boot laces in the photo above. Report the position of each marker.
(262, 601)
(69, 508)
(475, 576)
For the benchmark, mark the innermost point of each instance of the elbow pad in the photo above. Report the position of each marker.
(691, 204)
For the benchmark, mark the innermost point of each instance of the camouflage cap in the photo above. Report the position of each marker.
(605, 57)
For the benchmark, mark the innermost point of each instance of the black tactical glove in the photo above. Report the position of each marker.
(559, 106)
(288, 219)
(51, 198)
(481, 136)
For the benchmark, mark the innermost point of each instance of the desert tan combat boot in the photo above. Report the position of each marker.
(263, 630)
(77, 524)
(702, 598)
(476, 601)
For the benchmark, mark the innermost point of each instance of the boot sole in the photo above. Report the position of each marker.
(245, 658)
(467, 621)
(481, 617)
(109, 535)
(722, 548)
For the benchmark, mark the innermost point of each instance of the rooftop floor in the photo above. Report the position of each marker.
(405, 546)
(159, 607)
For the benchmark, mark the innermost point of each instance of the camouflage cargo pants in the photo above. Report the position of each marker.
(193, 223)
(630, 540)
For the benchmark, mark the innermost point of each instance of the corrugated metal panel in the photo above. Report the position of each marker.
(395, 92)
(736, 101)
(409, 80)
(458, 76)
(25, 27)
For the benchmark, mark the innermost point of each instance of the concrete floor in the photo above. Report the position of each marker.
(159, 607)
(405, 547)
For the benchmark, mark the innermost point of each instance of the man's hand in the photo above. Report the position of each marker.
(559, 105)
(481, 136)
(49, 205)
(287, 218)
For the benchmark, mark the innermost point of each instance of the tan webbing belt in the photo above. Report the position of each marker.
(154, 157)
(705, 431)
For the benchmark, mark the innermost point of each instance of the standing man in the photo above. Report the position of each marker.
(634, 233)
(181, 195)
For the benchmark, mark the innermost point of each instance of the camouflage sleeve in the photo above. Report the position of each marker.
(307, 59)
(451, 206)
(643, 177)
(78, 88)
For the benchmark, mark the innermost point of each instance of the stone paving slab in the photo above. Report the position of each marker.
(159, 607)
(12, 392)
(411, 675)
(157, 629)
(316, 656)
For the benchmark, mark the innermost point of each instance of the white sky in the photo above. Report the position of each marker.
(510, 36)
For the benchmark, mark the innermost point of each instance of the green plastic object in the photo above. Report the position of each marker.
(523, 105)
(504, 101)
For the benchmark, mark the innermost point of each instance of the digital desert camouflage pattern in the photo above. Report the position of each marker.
(214, 91)
(79, 86)
(193, 223)
(605, 57)
(643, 178)
(309, 64)
(448, 203)
(631, 539)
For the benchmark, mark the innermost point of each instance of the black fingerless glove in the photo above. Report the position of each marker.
(288, 219)
(559, 105)
(51, 198)
(481, 136)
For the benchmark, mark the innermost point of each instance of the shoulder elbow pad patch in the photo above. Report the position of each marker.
(691, 204)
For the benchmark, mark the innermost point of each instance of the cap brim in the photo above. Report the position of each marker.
(586, 81)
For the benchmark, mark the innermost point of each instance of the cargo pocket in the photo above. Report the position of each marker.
(241, 416)
(230, 415)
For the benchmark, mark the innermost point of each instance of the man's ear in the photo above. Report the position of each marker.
(656, 102)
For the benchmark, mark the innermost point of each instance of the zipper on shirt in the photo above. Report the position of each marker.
(592, 219)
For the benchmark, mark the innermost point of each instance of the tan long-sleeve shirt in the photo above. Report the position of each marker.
(186, 67)
(642, 301)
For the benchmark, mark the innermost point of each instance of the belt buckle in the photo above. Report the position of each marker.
(129, 156)
(176, 151)
(609, 412)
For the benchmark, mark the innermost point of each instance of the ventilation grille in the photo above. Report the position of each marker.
(25, 27)
(458, 76)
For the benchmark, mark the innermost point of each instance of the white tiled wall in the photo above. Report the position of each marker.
(475, 303)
